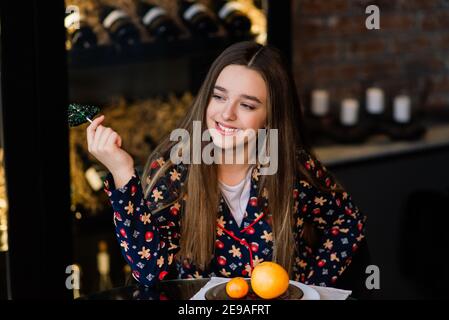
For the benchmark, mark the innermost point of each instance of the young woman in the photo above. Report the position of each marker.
(199, 220)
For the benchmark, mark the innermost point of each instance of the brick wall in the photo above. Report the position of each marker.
(332, 48)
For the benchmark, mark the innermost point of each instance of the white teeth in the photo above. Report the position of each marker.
(225, 129)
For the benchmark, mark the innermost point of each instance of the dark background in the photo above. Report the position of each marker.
(404, 196)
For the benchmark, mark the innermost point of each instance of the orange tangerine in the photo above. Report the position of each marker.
(269, 280)
(237, 288)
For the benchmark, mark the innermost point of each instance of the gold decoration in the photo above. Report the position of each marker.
(3, 208)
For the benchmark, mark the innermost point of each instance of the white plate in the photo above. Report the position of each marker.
(309, 292)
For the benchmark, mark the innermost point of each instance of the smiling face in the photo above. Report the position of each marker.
(238, 104)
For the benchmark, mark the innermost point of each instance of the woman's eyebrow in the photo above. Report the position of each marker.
(253, 98)
(220, 88)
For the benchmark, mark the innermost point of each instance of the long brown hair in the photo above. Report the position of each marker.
(198, 222)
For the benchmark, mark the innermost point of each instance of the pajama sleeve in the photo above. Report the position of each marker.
(340, 223)
(147, 230)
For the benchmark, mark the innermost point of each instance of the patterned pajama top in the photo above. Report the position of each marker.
(148, 230)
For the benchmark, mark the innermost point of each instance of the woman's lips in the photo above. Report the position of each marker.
(225, 130)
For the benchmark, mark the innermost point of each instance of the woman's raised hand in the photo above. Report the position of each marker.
(105, 145)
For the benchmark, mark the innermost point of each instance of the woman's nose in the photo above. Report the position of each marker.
(229, 111)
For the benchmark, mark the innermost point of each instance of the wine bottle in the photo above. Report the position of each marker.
(157, 21)
(93, 178)
(127, 273)
(233, 17)
(93, 173)
(119, 26)
(197, 17)
(80, 34)
(103, 266)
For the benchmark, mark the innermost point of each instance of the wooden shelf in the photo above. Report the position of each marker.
(186, 47)
(437, 136)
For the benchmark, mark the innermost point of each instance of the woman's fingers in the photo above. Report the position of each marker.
(111, 141)
(91, 130)
(100, 137)
(104, 137)
(97, 137)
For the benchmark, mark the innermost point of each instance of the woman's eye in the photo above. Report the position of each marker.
(217, 97)
(247, 106)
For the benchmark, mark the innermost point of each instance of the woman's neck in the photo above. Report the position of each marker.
(232, 174)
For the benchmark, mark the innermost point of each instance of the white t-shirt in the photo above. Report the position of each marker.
(237, 196)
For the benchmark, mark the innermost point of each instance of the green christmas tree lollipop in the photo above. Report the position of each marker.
(79, 114)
